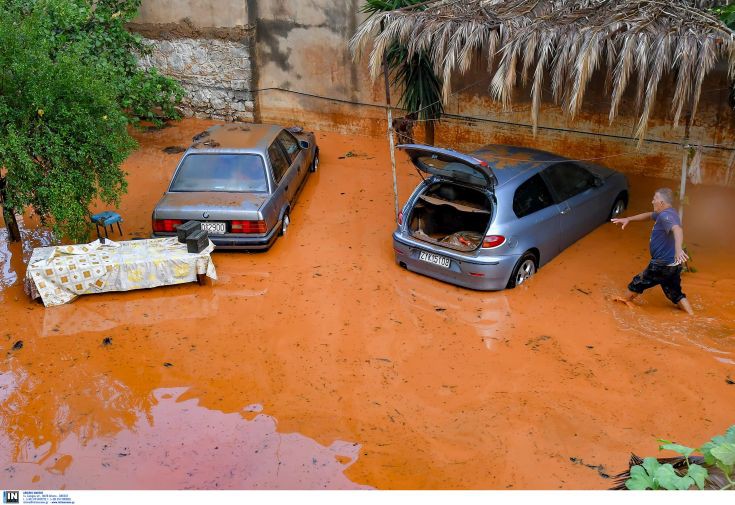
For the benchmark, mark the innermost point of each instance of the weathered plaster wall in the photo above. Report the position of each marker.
(218, 13)
(298, 54)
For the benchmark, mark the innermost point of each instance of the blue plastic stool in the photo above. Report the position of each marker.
(105, 219)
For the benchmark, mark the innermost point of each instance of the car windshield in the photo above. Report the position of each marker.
(221, 172)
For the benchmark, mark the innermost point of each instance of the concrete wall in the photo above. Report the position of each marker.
(203, 14)
(301, 72)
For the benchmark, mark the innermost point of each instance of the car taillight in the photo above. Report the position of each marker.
(400, 218)
(168, 225)
(247, 226)
(493, 241)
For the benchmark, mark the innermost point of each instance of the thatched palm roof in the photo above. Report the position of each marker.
(639, 43)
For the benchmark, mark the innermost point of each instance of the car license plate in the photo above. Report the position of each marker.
(214, 228)
(435, 259)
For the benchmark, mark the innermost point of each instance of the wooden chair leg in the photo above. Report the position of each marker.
(119, 228)
(201, 279)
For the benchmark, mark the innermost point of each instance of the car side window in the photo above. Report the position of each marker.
(290, 145)
(278, 161)
(531, 196)
(569, 179)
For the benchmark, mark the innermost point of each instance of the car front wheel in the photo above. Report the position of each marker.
(524, 270)
(314, 163)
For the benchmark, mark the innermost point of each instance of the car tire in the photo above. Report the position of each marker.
(285, 222)
(525, 268)
(618, 207)
(315, 162)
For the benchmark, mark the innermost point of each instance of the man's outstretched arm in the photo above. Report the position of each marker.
(646, 216)
(680, 256)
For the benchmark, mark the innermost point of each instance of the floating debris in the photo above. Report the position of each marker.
(200, 136)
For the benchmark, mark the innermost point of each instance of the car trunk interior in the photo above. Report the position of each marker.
(451, 216)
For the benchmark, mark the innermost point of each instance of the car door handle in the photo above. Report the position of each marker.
(566, 211)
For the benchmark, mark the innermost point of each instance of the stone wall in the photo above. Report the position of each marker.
(216, 75)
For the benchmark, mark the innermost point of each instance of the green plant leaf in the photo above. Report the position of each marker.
(639, 479)
(667, 478)
(681, 449)
(651, 465)
(706, 452)
(698, 474)
(725, 452)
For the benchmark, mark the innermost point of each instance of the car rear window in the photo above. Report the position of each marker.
(221, 172)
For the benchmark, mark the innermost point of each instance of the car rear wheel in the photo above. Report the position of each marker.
(524, 270)
(285, 222)
(618, 207)
(314, 163)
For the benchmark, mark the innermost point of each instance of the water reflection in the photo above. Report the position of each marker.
(8, 276)
(487, 314)
(13, 256)
(164, 442)
(97, 313)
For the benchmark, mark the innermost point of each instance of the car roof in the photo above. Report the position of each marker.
(508, 162)
(245, 137)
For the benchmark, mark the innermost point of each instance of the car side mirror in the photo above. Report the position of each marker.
(598, 182)
(303, 144)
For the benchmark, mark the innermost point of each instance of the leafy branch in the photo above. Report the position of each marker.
(717, 457)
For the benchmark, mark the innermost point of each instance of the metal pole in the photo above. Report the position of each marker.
(390, 137)
(683, 187)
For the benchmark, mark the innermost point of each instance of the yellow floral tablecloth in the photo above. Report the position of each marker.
(60, 274)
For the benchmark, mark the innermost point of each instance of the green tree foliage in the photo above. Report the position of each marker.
(727, 14)
(415, 77)
(64, 134)
(96, 28)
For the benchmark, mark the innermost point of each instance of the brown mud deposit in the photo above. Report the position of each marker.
(187, 29)
(321, 363)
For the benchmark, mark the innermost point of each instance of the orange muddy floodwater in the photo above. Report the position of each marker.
(321, 363)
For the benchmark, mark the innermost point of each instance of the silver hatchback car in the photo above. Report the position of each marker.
(488, 220)
(240, 181)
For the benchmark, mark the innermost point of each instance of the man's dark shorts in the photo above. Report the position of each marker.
(668, 277)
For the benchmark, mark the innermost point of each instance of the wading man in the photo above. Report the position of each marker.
(667, 253)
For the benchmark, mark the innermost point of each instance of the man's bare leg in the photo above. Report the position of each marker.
(685, 306)
(628, 299)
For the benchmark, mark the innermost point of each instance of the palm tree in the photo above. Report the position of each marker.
(413, 74)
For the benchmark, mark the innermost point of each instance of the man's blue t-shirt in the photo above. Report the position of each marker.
(663, 244)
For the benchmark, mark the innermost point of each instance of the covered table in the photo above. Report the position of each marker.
(59, 274)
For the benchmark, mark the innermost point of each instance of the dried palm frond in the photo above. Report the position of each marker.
(644, 40)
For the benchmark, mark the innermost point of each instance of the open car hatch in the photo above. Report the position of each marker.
(451, 165)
